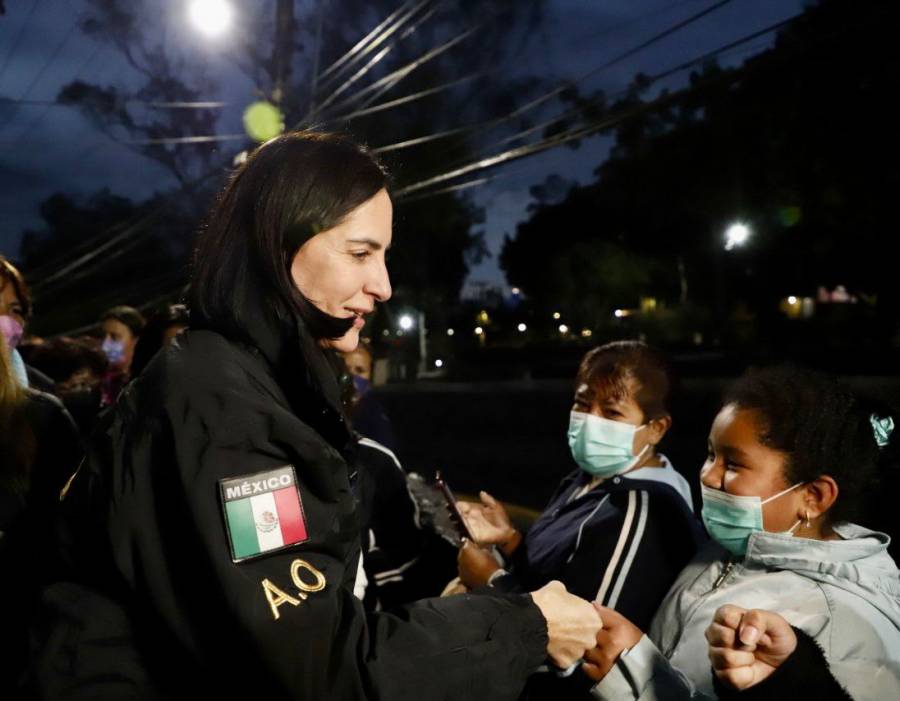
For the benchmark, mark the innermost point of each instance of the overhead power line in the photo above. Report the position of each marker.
(390, 104)
(387, 79)
(365, 41)
(43, 69)
(581, 132)
(486, 125)
(325, 82)
(212, 138)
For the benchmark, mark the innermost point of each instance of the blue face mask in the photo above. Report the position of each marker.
(731, 519)
(602, 447)
(361, 385)
(114, 351)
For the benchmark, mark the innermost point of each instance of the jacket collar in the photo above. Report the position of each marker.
(301, 368)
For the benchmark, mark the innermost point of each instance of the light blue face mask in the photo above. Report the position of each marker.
(731, 519)
(602, 447)
(114, 351)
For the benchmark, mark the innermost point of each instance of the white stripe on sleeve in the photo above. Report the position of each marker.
(620, 546)
(632, 550)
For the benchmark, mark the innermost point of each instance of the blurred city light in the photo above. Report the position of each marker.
(792, 300)
(450, 332)
(563, 329)
(556, 315)
(736, 235)
(263, 121)
(619, 313)
(522, 328)
(211, 17)
(516, 291)
(478, 331)
(438, 363)
(586, 333)
(406, 322)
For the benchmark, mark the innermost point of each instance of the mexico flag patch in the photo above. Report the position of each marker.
(263, 512)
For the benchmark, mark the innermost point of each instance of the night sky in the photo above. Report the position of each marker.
(47, 148)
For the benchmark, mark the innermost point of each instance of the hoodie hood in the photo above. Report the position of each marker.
(858, 564)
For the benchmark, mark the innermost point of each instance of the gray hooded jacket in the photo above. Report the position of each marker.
(845, 594)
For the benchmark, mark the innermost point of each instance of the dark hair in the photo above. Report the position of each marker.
(62, 357)
(129, 316)
(608, 369)
(153, 335)
(821, 426)
(287, 191)
(10, 275)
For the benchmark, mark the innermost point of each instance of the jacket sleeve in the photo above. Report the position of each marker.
(393, 540)
(287, 619)
(644, 674)
(635, 535)
(805, 674)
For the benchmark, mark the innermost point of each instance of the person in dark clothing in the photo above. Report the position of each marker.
(212, 535)
(76, 365)
(403, 558)
(161, 329)
(39, 451)
(121, 327)
(621, 526)
(366, 412)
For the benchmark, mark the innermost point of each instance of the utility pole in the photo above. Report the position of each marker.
(283, 51)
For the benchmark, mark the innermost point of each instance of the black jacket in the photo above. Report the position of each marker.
(28, 513)
(622, 543)
(404, 557)
(156, 606)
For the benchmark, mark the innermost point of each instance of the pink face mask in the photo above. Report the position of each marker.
(11, 330)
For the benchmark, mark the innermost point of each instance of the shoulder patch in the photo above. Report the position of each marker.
(263, 512)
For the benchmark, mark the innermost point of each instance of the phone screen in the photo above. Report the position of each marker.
(458, 519)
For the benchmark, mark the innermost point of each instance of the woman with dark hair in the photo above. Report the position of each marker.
(620, 526)
(213, 532)
(121, 327)
(791, 599)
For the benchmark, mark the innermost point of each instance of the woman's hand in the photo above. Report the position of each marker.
(746, 646)
(618, 634)
(572, 623)
(489, 523)
(475, 565)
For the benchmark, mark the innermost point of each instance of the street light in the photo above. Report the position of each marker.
(736, 235)
(522, 328)
(563, 329)
(212, 17)
(438, 363)
(450, 332)
(406, 322)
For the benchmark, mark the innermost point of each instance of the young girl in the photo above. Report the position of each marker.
(620, 527)
(791, 598)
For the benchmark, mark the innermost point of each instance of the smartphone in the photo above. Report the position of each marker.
(458, 519)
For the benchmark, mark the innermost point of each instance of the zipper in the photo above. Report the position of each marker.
(723, 575)
(721, 578)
